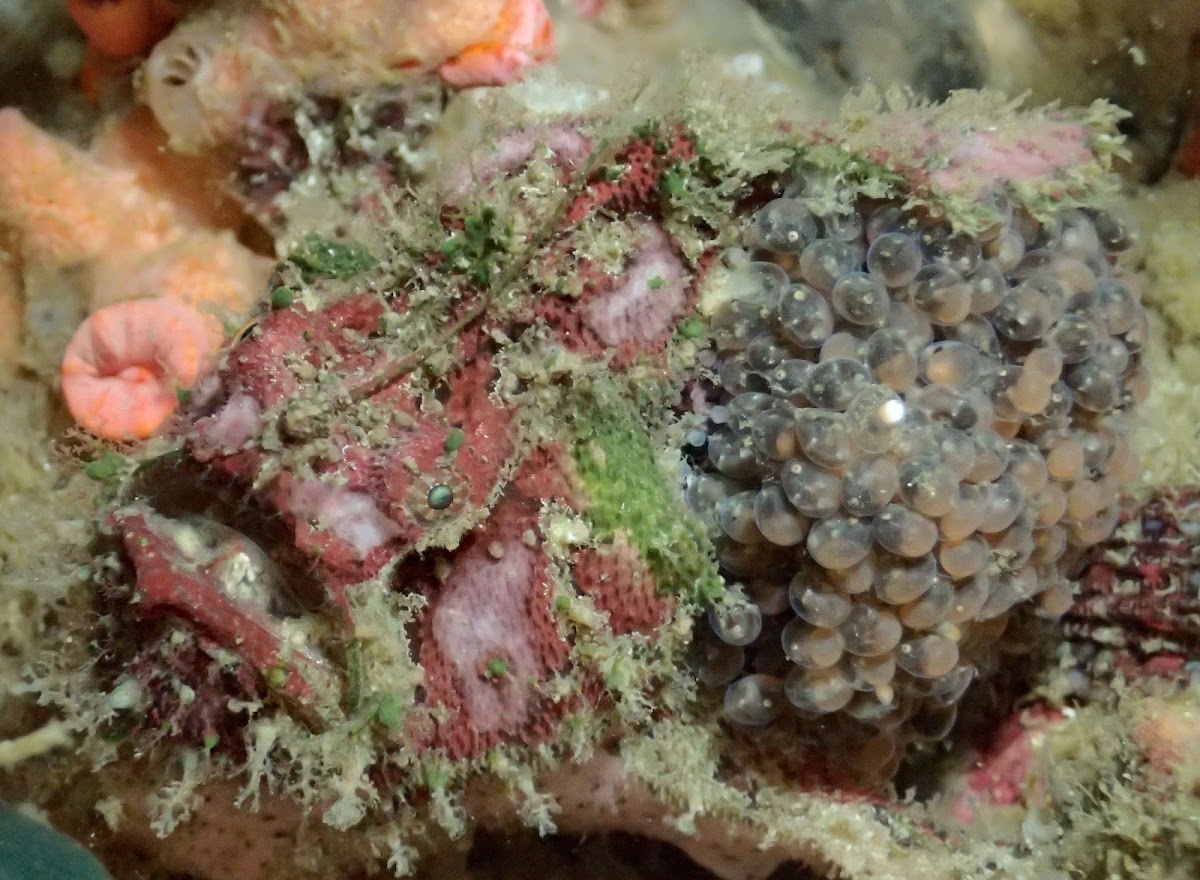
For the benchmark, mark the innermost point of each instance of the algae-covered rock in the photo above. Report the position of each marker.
(418, 554)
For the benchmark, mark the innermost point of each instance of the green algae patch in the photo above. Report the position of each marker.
(629, 491)
(318, 257)
(107, 466)
(476, 251)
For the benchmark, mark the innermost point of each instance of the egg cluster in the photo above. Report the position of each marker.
(917, 432)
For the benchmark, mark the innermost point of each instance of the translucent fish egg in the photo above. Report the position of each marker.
(1111, 355)
(846, 227)
(869, 632)
(753, 291)
(1093, 387)
(811, 647)
(1046, 362)
(1056, 600)
(1037, 263)
(815, 603)
(891, 218)
(929, 610)
(818, 691)
(1095, 528)
(977, 332)
(1027, 466)
(737, 623)
(813, 490)
(1078, 237)
(929, 656)
(991, 457)
(964, 558)
(1051, 504)
(1097, 447)
(949, 688)
(1006, 251)
(988, 287)
(1004, 502)
(1058, 410)
(949, 363)
(744, 407)
(869, 674)
(1026, 390)
(1114, 233)
(788, 379)
(773, 433)
(785, 225)
(855, 579)
(969, 598)
(965, 515)
(839, 542)
(940, 294)
(731, 454)
(899, 581)
(962, 253)
(928, 486)
(736, 376)
(705, 490)
(1074, 336)
(718, 663)
(833, 384)
(957, 409)
(736, 516)
(1024, 314)
(874, 417)
(904, 532)
(861, 299)
(754, 700)
(1036, 232)
(777, 520)
(826, 260)
(891, 359)
(1138, 335)
(1123, 464)
(914, 327)
(824, 437)
(1049, 544)
(804, 316)
(765, 352)
(953, 447)
(1014, 544)
(1115, 304)
(840, 346)
(894, 258)
(1084, 499)
(1006, 590)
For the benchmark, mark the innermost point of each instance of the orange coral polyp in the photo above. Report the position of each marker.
(125, 365)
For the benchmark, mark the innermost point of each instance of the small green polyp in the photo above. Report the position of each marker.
(440, 496)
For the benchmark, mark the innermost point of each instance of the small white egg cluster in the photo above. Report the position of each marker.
(918, 431)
